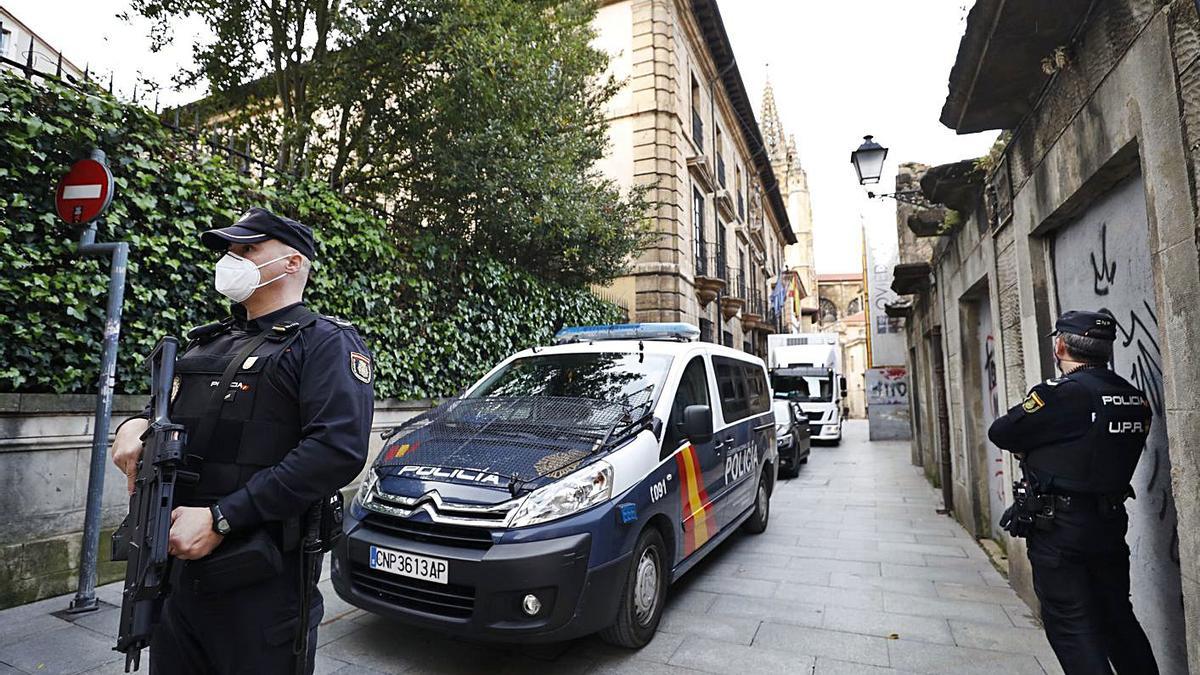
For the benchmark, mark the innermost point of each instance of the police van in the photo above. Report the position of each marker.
(566, 490)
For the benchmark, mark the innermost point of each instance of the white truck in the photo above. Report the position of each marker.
(806, 368)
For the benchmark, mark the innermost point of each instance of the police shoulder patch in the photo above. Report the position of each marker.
(341, 323)
(1033, 403)
(360, 367)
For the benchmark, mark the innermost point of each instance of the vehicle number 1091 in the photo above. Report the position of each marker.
(409, 565)
(658, 490)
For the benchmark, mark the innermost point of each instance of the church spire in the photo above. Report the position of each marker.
(772, 129)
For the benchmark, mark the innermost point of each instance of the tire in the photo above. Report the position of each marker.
(757, 523)
(641, 607)
(793, 468)
(803, 461)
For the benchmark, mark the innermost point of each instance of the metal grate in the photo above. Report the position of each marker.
(814, 416)
(448, 600)
(522, 438)
(433, 533)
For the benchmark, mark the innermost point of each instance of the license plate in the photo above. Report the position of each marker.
(409, 565)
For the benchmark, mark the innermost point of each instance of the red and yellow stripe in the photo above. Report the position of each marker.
(699, 524)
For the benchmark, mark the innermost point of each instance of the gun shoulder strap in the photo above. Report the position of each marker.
(288, 326)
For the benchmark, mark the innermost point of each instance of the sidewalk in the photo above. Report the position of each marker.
(856, 574)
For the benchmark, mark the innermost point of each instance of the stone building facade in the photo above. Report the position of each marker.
(1092, 204)
(683, 126)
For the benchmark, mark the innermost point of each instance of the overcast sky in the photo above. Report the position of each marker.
(840, 70)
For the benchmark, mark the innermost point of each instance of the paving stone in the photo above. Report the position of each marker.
(16, 628)
(886, 624)
(828, 666)
(858, 598)
(962, 576)
(929, 658)
(690, 600)
(714, 626)
(1001, 638)
(928, 549)
(755, 588)
(978, 593)
(714, 656)
(818, 642)
(824, 565)
(70, 649)
(817, 577)
(949, 609)
(1022, 616)
(894, 584)
(770, 609)
(878, 536)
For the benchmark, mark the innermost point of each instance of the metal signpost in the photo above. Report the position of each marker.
(83, 195)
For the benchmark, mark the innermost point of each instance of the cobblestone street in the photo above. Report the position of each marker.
(856, 574)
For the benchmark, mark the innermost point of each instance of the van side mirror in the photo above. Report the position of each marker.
(697, 424)
(842, 384)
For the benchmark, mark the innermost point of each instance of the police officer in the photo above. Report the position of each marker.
(277, 401)
(1079, 437)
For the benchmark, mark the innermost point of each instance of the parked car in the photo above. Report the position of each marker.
(566, 490)
(791, 437)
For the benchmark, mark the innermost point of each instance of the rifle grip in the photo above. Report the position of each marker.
(120, 541)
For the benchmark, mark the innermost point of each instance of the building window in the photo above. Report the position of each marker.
(737, 186)
(697, 122)
(5, 40)
(854, 307)
(720, 157)
(706, 331)
(829, 313)
(721, 271)
(698, 232)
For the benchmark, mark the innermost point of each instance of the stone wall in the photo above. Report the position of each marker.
(45, 451)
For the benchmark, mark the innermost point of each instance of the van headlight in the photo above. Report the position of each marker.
(367, 487)
(581, 490)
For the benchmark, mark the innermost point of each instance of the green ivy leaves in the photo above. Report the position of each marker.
(435, 316)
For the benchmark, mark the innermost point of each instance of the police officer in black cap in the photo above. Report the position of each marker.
(277, 401)
(1079, 437)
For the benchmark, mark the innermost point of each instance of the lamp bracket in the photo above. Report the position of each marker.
(910, 197)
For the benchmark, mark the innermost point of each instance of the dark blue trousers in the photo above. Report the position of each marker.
(1081, 577)
(247, 630)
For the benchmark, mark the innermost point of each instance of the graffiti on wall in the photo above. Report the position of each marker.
(1103, 263)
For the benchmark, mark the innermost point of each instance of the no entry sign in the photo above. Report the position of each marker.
(84, 192)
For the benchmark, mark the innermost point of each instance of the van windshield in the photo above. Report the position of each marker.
(628, 378)
(807, 385)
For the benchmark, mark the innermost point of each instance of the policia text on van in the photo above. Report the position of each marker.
(566, 490)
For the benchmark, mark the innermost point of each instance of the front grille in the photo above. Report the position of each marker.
(433, 533)
(448, 600)
(814, 416)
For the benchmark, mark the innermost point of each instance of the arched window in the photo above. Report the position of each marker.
(855, 306)
(829, 312)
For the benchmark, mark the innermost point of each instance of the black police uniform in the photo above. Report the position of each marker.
(291, 429)
(1082, 435)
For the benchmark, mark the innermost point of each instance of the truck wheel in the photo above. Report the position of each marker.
(757, 523)
(643, 596)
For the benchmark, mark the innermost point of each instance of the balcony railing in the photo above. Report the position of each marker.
(697, 130)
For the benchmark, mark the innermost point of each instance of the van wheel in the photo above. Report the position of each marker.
(644, 594)
(793, 467)
(757, 523)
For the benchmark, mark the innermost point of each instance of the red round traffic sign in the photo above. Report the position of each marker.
(84, 192)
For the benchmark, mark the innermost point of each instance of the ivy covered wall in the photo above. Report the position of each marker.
(434, 315)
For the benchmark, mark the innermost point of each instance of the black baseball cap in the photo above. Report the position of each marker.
(1088, 324)
(259, 224)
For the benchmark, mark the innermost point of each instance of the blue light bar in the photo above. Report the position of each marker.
(684, 332)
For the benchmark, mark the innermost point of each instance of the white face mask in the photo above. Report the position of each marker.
(237, 278)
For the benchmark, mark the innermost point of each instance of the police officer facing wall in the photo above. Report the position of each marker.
(1079, 437)
(288, 429)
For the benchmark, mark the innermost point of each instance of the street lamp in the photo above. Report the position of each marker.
(868, 160)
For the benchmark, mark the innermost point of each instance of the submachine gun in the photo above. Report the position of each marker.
(142, 538)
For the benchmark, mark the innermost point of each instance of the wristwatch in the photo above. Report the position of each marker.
(220, 524)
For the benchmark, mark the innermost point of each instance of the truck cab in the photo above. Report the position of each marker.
(805, 368)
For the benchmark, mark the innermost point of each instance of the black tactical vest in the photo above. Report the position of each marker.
(1103, 459)
(256, 425)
